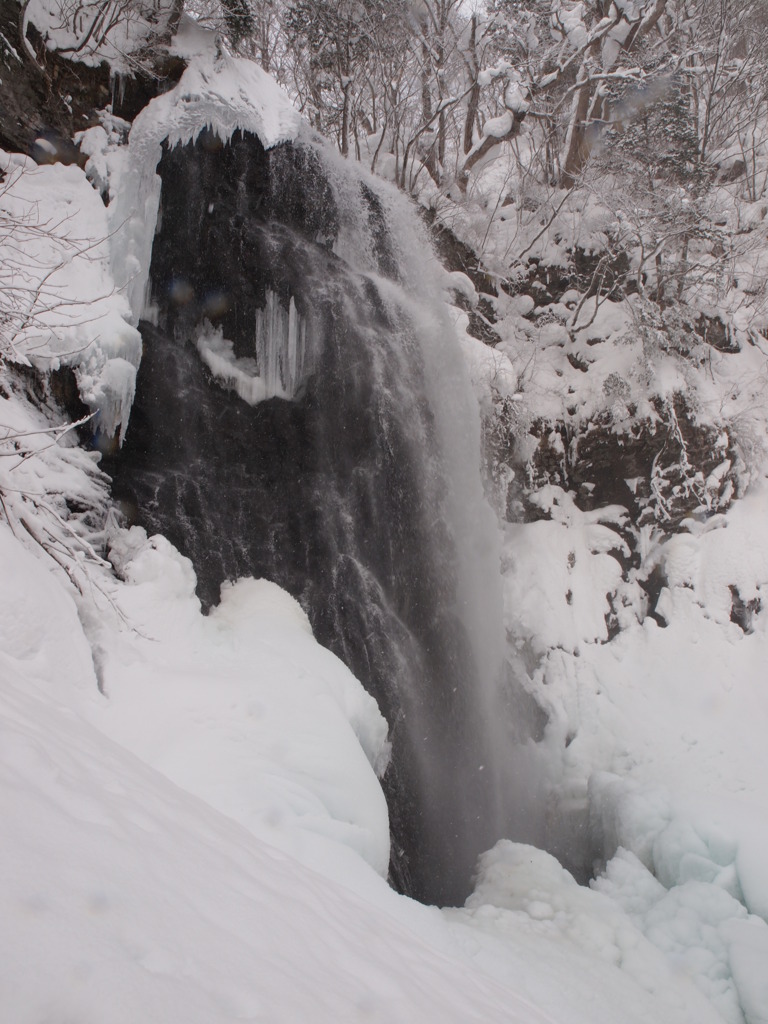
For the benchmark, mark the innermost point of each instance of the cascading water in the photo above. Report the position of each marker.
(302, 414)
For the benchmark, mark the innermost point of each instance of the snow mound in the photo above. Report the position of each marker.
(562, 574)
(658, 728)
(704, 930)
(220, 92)
(59, 651)
(523, 895)
(143, 903)
(243, 708)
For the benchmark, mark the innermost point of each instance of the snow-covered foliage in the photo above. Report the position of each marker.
(117, 31)
(624, 394)
(59, 305)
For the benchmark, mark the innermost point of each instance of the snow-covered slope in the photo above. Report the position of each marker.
(220, 874)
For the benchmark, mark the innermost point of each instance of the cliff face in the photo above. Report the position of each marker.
(47, 99)
(651, 407)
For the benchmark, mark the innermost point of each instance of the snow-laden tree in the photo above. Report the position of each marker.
(41, 321)
(332, 48)
(125, 33)
(555, 63)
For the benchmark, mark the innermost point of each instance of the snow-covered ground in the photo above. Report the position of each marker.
(203, 837)
(193, 824)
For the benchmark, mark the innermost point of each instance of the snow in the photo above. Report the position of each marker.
(218, 91)
(192, 842)
(702, 928)
(105, 258)
(545, 899)
(574, 552)
(516, 99)
(657, 729)
(142, 902)
(499, 127)
(653, 764)
(459, 284)
(568, 21)
(487, 367)
(194, 823)
(191, 796)
(62, 651)
(285, 743)
(615, 38)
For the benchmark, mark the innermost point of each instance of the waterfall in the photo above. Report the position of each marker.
(302, 414)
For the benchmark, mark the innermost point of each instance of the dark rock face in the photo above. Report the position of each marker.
(53, 97)
(456, 255)
(655, 468)
(607, 274)
(335, 494)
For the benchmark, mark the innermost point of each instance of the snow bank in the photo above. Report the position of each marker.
(57, 653)
(701, 927)
(546, 900)
(584, 952)
(561, 574)
(170, 888)
(659, 731)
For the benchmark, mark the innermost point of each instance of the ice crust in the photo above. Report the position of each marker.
(281, 362)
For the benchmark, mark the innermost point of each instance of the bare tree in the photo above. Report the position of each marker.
(32, 305)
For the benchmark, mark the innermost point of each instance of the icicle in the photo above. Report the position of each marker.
(278, 368)
(280, 342)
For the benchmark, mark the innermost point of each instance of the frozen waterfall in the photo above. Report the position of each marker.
(302, 414)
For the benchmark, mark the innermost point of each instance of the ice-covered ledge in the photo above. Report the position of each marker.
(217, 92)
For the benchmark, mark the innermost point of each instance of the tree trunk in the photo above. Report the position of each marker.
(345, 121)
(473, 103)
(582, 132)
